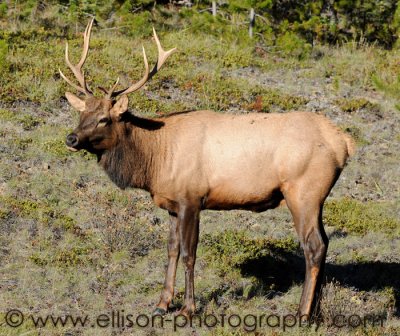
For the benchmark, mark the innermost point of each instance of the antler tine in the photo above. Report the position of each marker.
(86, 40)
(138, 84)
(77, 69)
(76, 87)
(111, 91)
(162, 57)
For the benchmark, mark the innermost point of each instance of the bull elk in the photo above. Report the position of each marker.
(198, 160)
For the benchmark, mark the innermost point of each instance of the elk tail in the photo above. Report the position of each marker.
(351, 145)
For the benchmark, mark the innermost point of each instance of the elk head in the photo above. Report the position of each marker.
(99, 116)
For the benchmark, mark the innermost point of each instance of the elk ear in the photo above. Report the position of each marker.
(120, 106)
(76, 103)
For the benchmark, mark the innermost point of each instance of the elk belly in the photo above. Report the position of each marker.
(228, 198)
(254, 188)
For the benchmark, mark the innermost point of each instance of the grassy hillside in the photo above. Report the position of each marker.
(72, 243)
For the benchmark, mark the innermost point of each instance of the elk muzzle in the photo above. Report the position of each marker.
(72, 142)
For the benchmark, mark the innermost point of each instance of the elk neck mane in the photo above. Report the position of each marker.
(132, 161)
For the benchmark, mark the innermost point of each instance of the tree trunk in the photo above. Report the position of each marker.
(214, 8)
(252, 22)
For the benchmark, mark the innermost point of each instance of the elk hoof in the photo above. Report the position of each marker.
(159, 311)
(185, 311)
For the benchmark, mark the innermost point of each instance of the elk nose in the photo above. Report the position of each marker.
(72, 140)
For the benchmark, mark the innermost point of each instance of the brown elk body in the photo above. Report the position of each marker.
(200, 160)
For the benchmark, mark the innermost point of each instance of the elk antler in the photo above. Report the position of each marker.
(77, 69)
(162, 57)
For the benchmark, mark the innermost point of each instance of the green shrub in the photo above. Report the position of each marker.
(356, 134)
(23, 143)
(290, 44)
(136, 25)
(71, 257)
(64, 257)
(7, 115)
(232, 248)
(219, 93)
(27, 121)
(206, 23)
(360, 218)
(42, 211)
(3, 55)
(269, 99)
(388, 87)
(3, 10)
(55, 147)
(356, 104)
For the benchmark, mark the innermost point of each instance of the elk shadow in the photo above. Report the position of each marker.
(281, 269)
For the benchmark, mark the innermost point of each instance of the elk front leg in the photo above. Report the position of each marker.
(173, 257)
(189, 235)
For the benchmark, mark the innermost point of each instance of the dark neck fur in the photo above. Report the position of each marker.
(132, 162)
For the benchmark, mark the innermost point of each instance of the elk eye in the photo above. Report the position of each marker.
(103, 121)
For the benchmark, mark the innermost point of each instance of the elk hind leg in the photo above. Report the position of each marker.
(307, 216)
